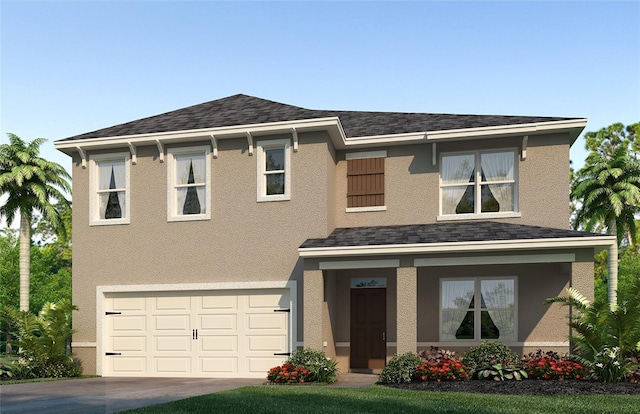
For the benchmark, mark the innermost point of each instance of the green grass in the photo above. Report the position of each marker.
(379, 399)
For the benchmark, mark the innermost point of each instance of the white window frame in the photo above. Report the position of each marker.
(477, 310)
(477, 184)
(172, 207)
(94, 185)
(261, 178)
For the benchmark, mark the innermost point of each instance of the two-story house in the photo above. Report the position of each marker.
(215, 239)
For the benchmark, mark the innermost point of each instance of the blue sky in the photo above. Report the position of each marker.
(69, 67)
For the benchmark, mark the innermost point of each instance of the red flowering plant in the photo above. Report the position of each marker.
(289, 374)
(551, 366)
(443, 370)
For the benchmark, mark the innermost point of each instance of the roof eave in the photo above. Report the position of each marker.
(598, 243)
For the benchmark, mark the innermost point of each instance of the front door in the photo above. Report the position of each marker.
(368, 328)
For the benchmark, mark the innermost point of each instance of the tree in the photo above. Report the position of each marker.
(31, 184)
(607, 194)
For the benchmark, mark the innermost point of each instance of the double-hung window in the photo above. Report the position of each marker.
(274, 170)
(481, 184)
(478, 308)
(189, 183)
(109, 189)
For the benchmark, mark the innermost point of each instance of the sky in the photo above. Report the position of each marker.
(69, 67)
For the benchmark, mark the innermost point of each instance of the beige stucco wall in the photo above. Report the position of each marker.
(243, 241)
(412, 183)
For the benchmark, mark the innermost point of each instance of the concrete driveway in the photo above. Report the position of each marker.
(107, 395)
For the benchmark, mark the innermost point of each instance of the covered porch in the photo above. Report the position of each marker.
(372, 292)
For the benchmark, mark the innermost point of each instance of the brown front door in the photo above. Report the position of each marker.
(368, 328)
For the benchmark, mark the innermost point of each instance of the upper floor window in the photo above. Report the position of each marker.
(477, 309)
(109, 189)
(482, 183)
(365, 181)
(274, 170)
(189, 183)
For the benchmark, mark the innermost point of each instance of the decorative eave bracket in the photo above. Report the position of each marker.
(160, 150)
(294, 133)
(434, 157)
(134, 157)
(524, 147)
(83, 155)
(250, 142)
(214, 146)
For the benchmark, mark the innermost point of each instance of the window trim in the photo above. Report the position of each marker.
(94, 203)
(261, 177)
(478, 183)
(171, 194)
(478, 303)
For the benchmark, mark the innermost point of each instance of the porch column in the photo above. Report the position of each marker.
(312, 320)
(407, 309)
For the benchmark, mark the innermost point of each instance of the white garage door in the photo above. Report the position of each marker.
(234, 334)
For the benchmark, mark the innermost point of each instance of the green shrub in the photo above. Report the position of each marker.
(401, 368)
(323, 368)
(498, 372)
(489, 353)
(41, 341)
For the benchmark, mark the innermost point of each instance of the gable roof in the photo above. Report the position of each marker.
(248, 110)
(448, 237)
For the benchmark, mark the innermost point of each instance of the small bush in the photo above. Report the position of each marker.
(551, 366)
(401, 368)
(490, 353)
(289, 374)
(443, 370)
(435, 354)
(498, 372)
(323, 368)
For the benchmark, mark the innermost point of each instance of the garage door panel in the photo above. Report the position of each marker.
(262, 365)
(219, 302)
(267, 321)
(172, 303)
(219, 343)
(172, 343)
(128, 304)
(274, 300)
(218, 322)
(172, 322)
(259, 343)
(214, 366)
(172, 365)
(129, 344)
(135, 323)
(129, 365)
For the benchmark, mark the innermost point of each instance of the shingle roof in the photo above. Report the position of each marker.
(246, 110)
(451, 232)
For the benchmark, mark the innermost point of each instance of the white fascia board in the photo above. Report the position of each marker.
(576, 125)
(236, 131)
(460, 247)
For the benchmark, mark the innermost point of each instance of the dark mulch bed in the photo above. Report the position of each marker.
(527, 387)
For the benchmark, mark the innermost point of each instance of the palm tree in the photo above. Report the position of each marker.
(607, 192)
(31, 184)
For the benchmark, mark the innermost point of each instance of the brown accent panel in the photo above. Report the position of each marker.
(365, 182)
(368, 328)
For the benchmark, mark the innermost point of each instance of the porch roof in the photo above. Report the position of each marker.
(449, 237)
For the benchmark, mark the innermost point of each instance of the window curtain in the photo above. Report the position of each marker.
(105, 171)
(456, 298)
(499, 167)
(183, 166)
(456, 169)
(499, 298)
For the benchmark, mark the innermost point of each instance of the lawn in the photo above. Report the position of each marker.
(379, 399)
